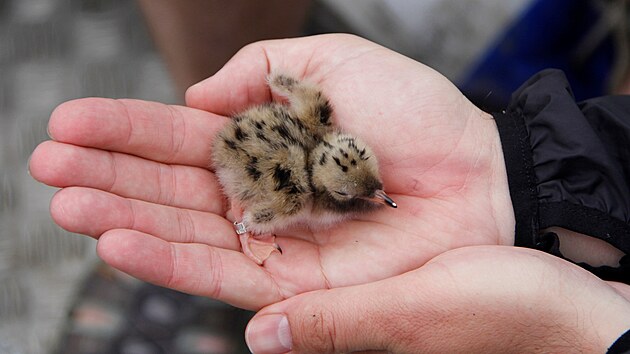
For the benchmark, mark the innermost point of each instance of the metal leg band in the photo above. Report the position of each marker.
(240, 228)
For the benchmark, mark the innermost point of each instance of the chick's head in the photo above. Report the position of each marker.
(345, 168)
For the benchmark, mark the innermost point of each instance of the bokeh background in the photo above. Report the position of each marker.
(55, 296)
(52, 51)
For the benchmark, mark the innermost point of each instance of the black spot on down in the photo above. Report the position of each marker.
(239, 134)
(282, 176)
(325, 110)
(343, 167)
(230, 144)
(323, 159)
(252, 169)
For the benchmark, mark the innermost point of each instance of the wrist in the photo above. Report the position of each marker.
(581, 248)
(608, 322)
(530, 301)
(589, 320)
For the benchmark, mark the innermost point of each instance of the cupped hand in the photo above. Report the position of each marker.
(135, 175)
(480, 299)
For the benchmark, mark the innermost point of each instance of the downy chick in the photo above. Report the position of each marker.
(284, 164)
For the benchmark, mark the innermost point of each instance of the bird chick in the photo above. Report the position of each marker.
(285, 164)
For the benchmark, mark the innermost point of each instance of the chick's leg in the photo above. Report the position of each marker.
(257, 247)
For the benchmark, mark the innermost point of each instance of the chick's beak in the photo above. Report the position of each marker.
(382, 198)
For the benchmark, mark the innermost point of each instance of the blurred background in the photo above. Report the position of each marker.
(55, 296)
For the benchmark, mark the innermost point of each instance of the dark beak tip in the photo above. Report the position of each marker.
(391, 203)
(381, 197)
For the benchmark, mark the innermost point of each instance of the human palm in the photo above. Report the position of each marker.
(134, 175)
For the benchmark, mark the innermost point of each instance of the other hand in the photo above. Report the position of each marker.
(482, 299)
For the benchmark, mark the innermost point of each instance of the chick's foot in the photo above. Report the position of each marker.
(258, 248)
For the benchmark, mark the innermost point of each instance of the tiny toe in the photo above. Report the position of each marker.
(262, 252)
(258, 249)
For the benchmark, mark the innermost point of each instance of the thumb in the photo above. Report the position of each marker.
(325, 321)
(484, 299)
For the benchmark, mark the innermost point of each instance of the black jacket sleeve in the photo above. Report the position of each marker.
(621, 345)
(568, 165)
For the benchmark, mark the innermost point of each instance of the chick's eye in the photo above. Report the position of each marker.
(341, 193)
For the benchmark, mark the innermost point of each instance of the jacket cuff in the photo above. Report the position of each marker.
(566, 166)
(521, 179)
(621, 345)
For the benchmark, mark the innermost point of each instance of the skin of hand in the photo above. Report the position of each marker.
(134, 175)
(480, 299)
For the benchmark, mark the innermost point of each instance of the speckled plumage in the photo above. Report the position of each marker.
(284, 164)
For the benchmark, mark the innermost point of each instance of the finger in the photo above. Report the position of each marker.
(197, 269)
(64, 165)
(171, 134)
(242, 81)
(92, 212)
(337, 320)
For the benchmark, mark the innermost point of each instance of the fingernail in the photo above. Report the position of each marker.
(28, 166)
(48, 132)
(269, 334)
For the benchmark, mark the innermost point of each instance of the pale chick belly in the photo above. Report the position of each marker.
(314, 220)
